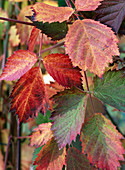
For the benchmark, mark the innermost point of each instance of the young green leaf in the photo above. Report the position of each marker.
(91, 45)
(50, 157)
(59, 66)
(29, 95)
(68, 115)
(111, 89)
(101, 142)
(18, 64)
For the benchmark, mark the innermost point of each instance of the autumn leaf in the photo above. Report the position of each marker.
(87, 5)
(14, 37)
(68, 115)
(29, 95)
(59, 66)
(18, 64)
(101, 142)
(1, 161)
(91, 45)
(50, 157)
(48, 13)
(112, 13)
(41, 135)
(33, 37)
(77, 160)
(24, 30)
(111, 89)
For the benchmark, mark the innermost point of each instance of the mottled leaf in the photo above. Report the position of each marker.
(14, 37)
(29, 95)
(112, 13)
(91, 45)
(111, 89)
(47, 13)
(18, 64)
(101, 142)
(41, 135)
(50, 157)
(33, 37)
(77, 160)
(59, 66)
(68, 115)
(87, 5)
(54, 30)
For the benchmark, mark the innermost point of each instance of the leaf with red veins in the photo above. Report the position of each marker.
(33, 38)
(50, 157)
(48, 13)
(18, 64)
(101, 142)
(41, 135)
(59, 66)
(91, 45)
(87, 5)
(29, 95)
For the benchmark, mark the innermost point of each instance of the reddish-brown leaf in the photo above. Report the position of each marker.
(18, 64)
(48, 13)
(41, 135)
(33, 37)
(101, 142)
(87, 5)
(29, 95)
(50, 157)
(59, 66)
(91, 45)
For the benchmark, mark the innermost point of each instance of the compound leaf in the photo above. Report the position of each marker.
(48, 13)
(18, 64)
(77, 160)
(29, 95)
(87, 5)
(101, 142)
(112, 13)
(91, 45)
(41, 135)
(111, 89)
(50, 157)
(59, 66)
(68, 115)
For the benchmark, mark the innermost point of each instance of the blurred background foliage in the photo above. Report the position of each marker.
(13, 37)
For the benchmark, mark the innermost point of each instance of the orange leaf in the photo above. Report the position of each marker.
(48, 13)
(33, 37)
(14, 37)
(29, 95)
(91, 45)
(87, 5)
(50, 157)
(41, 135)
(18, 64)
(59, 66)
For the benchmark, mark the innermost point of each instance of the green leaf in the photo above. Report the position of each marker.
(68, 115)
(111, 89)
(101, 142)
(54, 30)
(43, 119)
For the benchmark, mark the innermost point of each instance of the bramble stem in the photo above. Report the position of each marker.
(17, 21)
(18, 146)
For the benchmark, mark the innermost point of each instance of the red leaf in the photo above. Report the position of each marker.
(50, 157)
(29, 95)
(87, 5)
(101, 142)
(41, 135)
(33, 37)
(48, 13)
(59, 66)
(18, 64)
(77, 160)
(91, 45)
